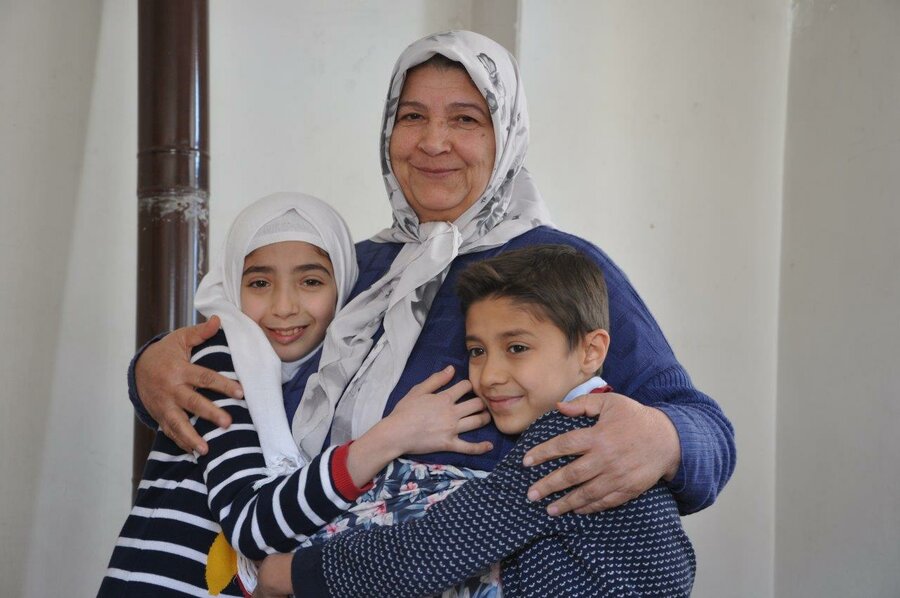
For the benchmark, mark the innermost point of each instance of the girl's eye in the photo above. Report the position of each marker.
(258, 284)
(475, 352)
(312, 282)
(517, 348)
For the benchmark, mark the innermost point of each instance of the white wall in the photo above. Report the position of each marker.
(658, 133)
(838, 416)
(46, 78)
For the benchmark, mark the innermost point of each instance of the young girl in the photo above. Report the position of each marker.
(288, 264)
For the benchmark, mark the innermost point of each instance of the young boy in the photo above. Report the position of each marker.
(536, 323)
(287, 266)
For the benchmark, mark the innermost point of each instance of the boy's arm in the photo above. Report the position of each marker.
(479, 524)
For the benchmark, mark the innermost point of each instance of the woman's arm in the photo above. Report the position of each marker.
(163, 383)
(661, 422)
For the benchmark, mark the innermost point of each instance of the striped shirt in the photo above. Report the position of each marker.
(184, 501)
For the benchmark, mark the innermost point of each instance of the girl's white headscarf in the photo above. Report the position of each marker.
(272, 219)
(355, 379)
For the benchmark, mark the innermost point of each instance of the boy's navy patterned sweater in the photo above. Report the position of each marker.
(640, 365)
(184, 501)
(638, 549)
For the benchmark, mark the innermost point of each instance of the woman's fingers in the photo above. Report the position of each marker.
(200, 377)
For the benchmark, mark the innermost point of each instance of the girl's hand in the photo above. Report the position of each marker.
(427, 420)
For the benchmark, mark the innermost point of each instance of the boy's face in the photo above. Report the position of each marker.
(288, 288)
(521, 366)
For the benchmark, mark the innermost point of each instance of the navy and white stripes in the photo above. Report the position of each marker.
(184, 501)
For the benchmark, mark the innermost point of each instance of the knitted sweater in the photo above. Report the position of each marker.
(638, 549)
(640, 364)
(185, 501)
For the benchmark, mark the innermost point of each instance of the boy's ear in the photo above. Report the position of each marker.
(596, 345)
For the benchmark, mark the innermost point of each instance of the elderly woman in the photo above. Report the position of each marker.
(454, 139)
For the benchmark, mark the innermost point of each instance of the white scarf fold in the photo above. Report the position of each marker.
(349, 393)
(272, 219)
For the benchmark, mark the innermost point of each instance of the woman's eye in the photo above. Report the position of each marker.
(475, 352)
(411, 117)
(517, 348)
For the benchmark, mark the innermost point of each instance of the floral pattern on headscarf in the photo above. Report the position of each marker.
(509, 206)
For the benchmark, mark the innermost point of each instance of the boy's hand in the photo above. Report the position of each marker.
(166, 382)
(626, 453)
(428, 421)
(274, 577)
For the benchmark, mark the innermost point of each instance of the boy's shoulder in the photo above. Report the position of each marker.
(553, 423)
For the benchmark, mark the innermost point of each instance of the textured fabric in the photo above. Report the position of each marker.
(638, 549)
(399, 302)
(640, 364)
(404, 492)
(184, 501)
(272, 219)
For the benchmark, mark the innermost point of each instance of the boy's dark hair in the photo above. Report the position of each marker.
(558, 281)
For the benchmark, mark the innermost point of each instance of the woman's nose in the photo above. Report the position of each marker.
(435, 138)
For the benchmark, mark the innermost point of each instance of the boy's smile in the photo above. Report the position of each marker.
(520, 364)
(288, 289)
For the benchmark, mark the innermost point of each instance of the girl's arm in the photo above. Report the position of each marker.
(481, 523)
(281, 512)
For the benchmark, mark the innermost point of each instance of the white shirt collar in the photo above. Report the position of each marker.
(585, 388)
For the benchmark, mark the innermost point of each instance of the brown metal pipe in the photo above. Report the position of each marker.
(173, 173)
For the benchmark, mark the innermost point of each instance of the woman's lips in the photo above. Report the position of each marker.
(435, 173)
(286, 336)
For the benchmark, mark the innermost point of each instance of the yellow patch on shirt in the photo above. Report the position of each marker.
(221, 565)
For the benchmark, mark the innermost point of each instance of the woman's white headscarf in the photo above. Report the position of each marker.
(272, 219)
(355, 379)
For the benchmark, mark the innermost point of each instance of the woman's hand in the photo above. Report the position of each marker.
(274, 577)
(428, 421)
(166, 382)
(626, 453)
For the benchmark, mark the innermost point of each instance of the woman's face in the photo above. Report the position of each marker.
(442, 145)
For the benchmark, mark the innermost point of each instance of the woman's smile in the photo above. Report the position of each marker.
(442, 144)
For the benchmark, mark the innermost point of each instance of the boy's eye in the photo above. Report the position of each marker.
(517, 348)
(475, 352)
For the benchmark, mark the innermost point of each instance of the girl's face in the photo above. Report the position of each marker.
(288, 289)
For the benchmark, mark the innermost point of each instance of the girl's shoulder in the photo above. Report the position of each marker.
(213, 353)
